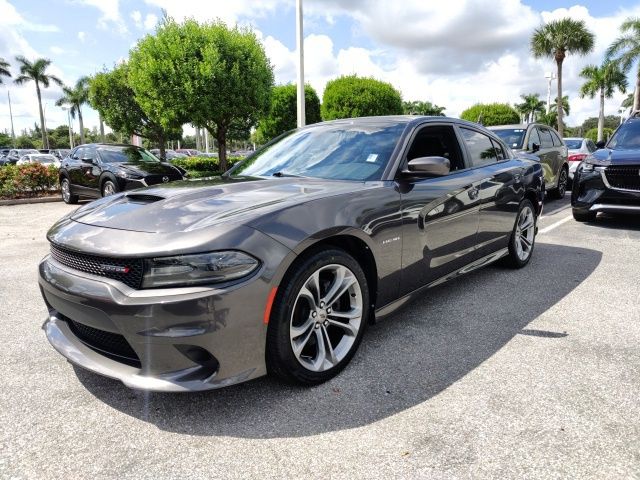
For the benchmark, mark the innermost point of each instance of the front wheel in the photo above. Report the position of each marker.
(318, 318)
(523, 236)
(109, 188)
(65, 188)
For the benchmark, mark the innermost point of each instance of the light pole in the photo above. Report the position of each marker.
(300, 47)
(44, 118)
(13, 135)
(66, 109)
(550, 76)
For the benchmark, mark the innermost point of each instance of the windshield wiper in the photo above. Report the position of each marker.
(283, 174)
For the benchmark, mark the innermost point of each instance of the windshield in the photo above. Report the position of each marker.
(627, 137)
(344, 151)
(573, 144)
(42, 158)
(513, 137)
(126, 155)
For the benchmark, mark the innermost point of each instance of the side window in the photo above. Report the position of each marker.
(533, 138)
(480, 147)
(545, 138)
(556, 139)
(499, 150)
(437, 141)
(591, 146)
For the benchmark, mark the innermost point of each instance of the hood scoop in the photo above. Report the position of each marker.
(143, 198)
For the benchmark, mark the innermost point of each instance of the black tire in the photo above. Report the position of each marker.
(65, 191)
(558, 192)
(109, 187)
(514, 258)
(280, 358)
(581, 216)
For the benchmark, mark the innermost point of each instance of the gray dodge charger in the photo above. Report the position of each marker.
(279, 265)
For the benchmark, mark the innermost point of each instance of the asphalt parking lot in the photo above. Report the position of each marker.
(532, 373)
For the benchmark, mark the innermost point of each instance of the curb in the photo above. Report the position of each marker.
(23, 201)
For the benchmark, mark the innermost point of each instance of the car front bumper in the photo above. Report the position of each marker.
(592, 193)
(183, 339)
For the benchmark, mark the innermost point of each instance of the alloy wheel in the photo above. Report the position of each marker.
(66, 192)
(525, 233)
(326, 317)
(562, 183)
(108, 189)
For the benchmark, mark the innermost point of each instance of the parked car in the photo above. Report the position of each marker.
(60, 153)
(16, 153)
(99, 170)
(545, 143)
(579, 149)
(608, 180)
(169, 154)
(279, 265)
(44, 158)
(189, 152)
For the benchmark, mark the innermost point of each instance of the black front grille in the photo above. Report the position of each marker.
(127, 270)
(108, 344)
(624, 176)
(156, 179)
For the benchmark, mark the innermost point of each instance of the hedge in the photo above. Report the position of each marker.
(30, 180)
(593, 134)
(202, 164)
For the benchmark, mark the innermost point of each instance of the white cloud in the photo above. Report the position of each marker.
(136, 16)
(82, 36)
(150, 21)
(228, 11)
(110, 13)
(56, 50)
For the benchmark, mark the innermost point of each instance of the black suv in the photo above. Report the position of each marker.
(608, 180)
(99, 170)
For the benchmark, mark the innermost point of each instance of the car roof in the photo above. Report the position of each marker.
(573, 138)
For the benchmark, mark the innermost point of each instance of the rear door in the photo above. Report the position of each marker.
(549, 157)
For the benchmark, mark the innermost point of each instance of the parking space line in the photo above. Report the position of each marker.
(555, 225)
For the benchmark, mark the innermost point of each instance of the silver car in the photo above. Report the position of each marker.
(579, 149)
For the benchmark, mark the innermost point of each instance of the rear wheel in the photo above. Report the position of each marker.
(65, 188)
(581, 216)
(561, 189)
(523, 237)
(109, 188)
(318, 319)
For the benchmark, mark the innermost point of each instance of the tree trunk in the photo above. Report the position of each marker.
(81, 125)
(601, 117)
(221, 136)
(636, 93)
(101, 128)
(43, 131)
(163, 151)
(559, 100)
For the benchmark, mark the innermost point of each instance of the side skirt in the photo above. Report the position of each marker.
(402, 301)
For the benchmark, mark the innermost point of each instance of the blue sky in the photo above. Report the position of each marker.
(452, 53)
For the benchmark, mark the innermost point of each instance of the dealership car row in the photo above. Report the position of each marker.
(285, 237)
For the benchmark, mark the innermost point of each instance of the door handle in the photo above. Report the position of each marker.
(473, 193)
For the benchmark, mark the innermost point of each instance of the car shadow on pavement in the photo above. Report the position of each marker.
(403, 361)
(619, 221)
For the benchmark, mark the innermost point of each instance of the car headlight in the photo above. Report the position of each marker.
(198, 269)
(130, 175)
(591, 162)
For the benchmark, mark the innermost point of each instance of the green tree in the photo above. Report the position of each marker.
(566, 107)
(555, 40)
(283, 112)
(4, 69)
(610, 121)
(491, 114)
(418, 107)
(626, 50)
(37, 72)
(603, 81)
(628, 101)
(115, 101)
(531, 106)
(352, 96)
(205, 74)
(594, 133)
(74, 97)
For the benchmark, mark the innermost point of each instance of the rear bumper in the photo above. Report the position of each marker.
(185, 339)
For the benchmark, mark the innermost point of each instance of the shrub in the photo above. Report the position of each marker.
(202, 164)
(352, 96)
(593, 134)
(28, 180)
(491, 114)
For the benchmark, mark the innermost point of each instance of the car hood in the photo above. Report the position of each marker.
(191, 205)
(146, 168)
(618, 157)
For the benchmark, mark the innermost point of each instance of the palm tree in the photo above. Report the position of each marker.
(555, 40)
(530, 106)
(37, 72)
(75, 97)
(626, 49)
(4, 69)
(628, 102)
(603, 80)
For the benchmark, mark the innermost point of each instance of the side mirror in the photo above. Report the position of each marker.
(428, 167)
(601, 144)
(88, 160)
(534, 147)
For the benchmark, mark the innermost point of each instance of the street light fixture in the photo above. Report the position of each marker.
(68, 110)
(550, 76)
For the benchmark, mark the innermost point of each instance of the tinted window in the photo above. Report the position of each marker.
(480, 147)
(573, 144)
(513, 137)
(345, 151)
(499, 150)
(591, 146)
(626, 137)
(437, 141)
(125, 155)
(533, 138)
(545, 138)
(556, 139)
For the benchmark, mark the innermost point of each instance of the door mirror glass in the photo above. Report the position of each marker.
(534, 147)
(428, 166)
(600, 144)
